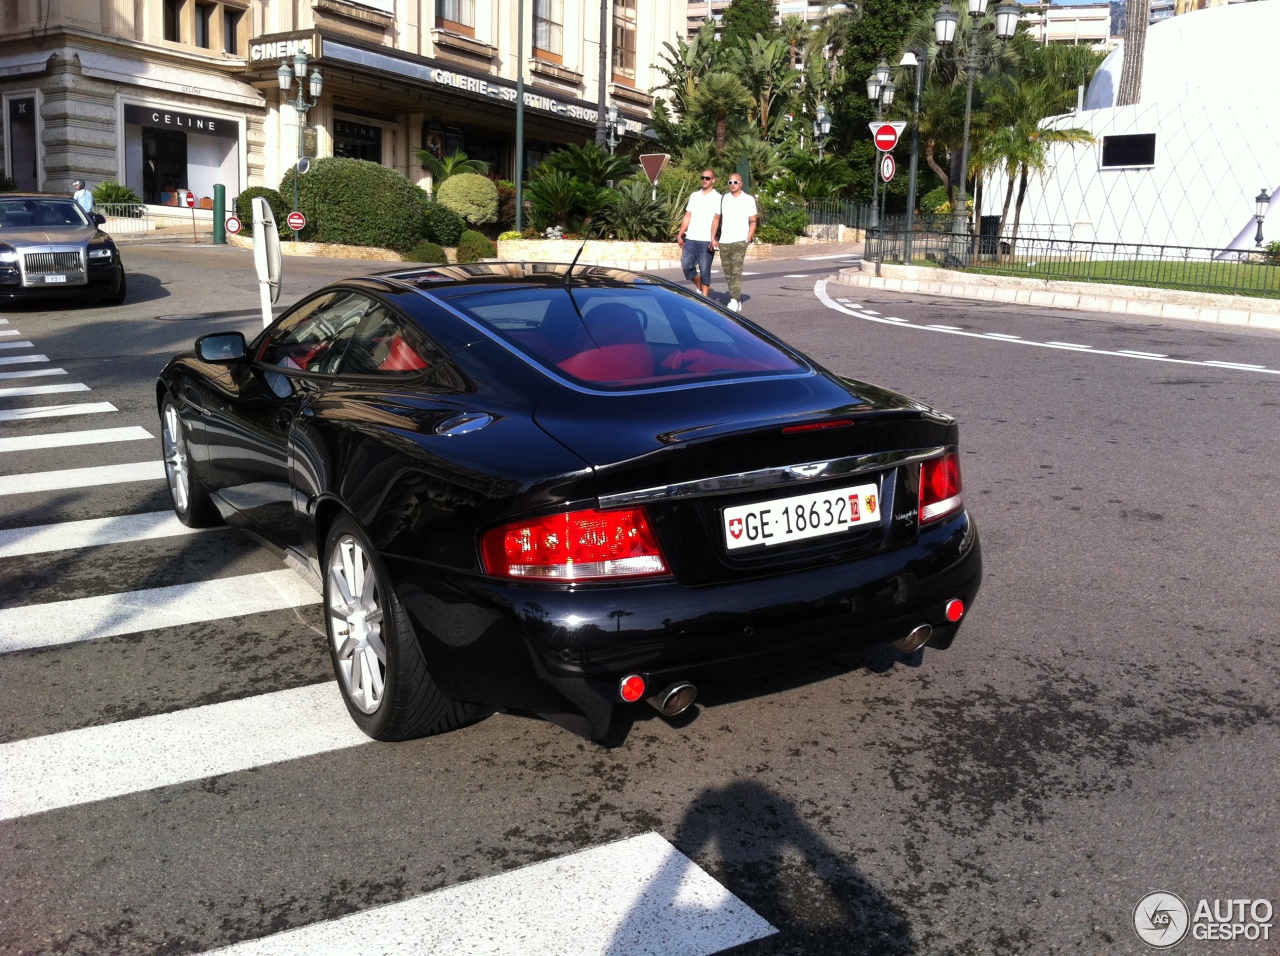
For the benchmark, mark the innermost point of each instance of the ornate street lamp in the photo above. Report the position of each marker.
(615, 128)
(301, 104)
(821, 129)
(945, 22)
(1263, 201)
(879, 91)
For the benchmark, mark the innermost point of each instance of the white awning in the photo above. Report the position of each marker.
(21, 63)
(164, 77)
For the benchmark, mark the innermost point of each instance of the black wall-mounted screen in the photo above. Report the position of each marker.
(1136, 149)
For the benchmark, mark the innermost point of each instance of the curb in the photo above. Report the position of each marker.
(1080, 296)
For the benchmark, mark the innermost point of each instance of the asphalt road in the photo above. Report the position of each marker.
(1105, 726)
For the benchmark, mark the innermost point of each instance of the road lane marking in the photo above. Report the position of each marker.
(22, 359)
(55, 411)
(97, 763)
(81, 477)
(1001, 335)
(91, 436)
(797, 275)
(55, 623)
(640, 895)
(838, 255)
(33, 373)
(894, 318)
(23, 390)
(92, 533)
(17, 345)
(820, 292)
(945, 328)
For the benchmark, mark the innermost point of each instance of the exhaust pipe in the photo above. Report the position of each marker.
(915, 640)
(676, 699)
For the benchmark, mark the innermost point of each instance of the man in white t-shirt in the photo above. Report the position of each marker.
(738, 219)
(696, 236)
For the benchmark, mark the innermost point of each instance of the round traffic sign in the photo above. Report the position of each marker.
(296, 221)
(190, 199)
(886, 137)
(887, 167)
(233, 224)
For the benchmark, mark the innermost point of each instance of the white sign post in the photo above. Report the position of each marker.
(266, 255)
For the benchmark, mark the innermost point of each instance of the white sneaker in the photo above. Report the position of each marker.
(735, 305)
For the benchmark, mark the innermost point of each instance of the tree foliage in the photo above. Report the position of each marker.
(743, 20)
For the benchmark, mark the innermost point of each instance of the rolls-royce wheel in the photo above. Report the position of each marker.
(118, 287)
(191, 502)
(376, 655)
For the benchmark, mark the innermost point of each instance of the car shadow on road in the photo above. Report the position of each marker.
(759, 846)
(141, 287)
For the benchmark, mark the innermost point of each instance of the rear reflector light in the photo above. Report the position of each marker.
(954, 610)
(578, 546)
(816, 426)
(631, 688)
(940, 487)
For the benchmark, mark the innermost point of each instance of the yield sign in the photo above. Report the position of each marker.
(886, 134)
(653, 164)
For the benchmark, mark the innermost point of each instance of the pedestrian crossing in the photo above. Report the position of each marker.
(139, 657)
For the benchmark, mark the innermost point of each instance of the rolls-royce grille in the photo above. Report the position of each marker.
(41, 263)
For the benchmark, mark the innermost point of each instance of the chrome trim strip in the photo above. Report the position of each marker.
(773, 477)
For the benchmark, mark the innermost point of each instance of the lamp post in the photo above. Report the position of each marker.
(1263, 201)
(821, 130)
(617, 126)
(916, 59)
(301, 105)
(945, 22)
(875, 93)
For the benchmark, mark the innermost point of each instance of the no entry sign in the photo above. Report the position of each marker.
(886, 134)
(190, 199)
(296, 221)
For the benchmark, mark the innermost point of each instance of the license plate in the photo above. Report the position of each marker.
(783, 520)
(55, 278)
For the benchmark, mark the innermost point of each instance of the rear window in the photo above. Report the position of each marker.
(624, 338)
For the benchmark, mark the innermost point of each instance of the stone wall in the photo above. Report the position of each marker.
(635, 256)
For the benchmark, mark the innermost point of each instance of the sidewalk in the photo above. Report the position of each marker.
(1082, 296)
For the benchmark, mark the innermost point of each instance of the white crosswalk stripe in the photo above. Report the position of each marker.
(16, 345)
(21, 359)
(81, 477)
(33, 373)
(107, 615)
(92, 533)
(20, 391)
(54, 411)
(94, 436)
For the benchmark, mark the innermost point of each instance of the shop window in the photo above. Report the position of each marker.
(21, 149)
(458, 16)
(624, 42)
(173, 20)
(204, 25)
(548, 30)
(231, 31)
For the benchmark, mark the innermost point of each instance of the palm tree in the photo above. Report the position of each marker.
(1137, 13)
(794, 31)
(763, 66)
(719, 96)
(441, 168)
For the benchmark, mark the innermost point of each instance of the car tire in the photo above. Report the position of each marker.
(376, 656)
(118, 288)
(191, 502)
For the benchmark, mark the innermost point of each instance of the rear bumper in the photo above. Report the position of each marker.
(562, 652)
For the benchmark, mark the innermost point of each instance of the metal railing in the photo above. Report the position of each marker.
(838, 212)
(125, 220)
(1228, 271)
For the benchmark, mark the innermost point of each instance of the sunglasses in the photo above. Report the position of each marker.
(706, 179)
(734, 182)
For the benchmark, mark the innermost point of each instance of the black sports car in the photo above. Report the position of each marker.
(566, 491)
(51, 248)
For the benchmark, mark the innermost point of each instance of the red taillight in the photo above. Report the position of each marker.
(817, 426)
(954, 610)
(578, 546)
(631, 688)
(940, 487)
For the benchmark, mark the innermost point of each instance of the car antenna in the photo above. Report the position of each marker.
(568, 275)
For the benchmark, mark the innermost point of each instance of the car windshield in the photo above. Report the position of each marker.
(618, 337)
(27, 213)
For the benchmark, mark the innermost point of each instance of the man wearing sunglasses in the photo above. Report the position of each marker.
(696, 236)
(738, 219)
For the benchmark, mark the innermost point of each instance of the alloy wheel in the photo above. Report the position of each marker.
(355, 623)
(175, 459)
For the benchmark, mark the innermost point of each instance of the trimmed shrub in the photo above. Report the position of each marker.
(441, 224)
(776, 235)
(279, 209)
(510, 234)
(473, 247)
(473, 197)
(112, 192)
(357, 203)
(426, 252)
(934, 199)
(793, 220)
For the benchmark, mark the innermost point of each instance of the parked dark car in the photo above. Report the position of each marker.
(52, 248)
(567, 491)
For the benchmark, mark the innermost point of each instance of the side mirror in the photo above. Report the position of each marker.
(222, 348)
(98, 218)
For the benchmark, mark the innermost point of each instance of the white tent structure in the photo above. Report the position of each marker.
(1185, 164)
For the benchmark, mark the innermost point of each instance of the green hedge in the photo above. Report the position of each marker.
(113, 193)
(471, 196)
(473, 247)
(441, 224)
(279, 209)
(426, 252)
(357, 203)
(776, 235)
